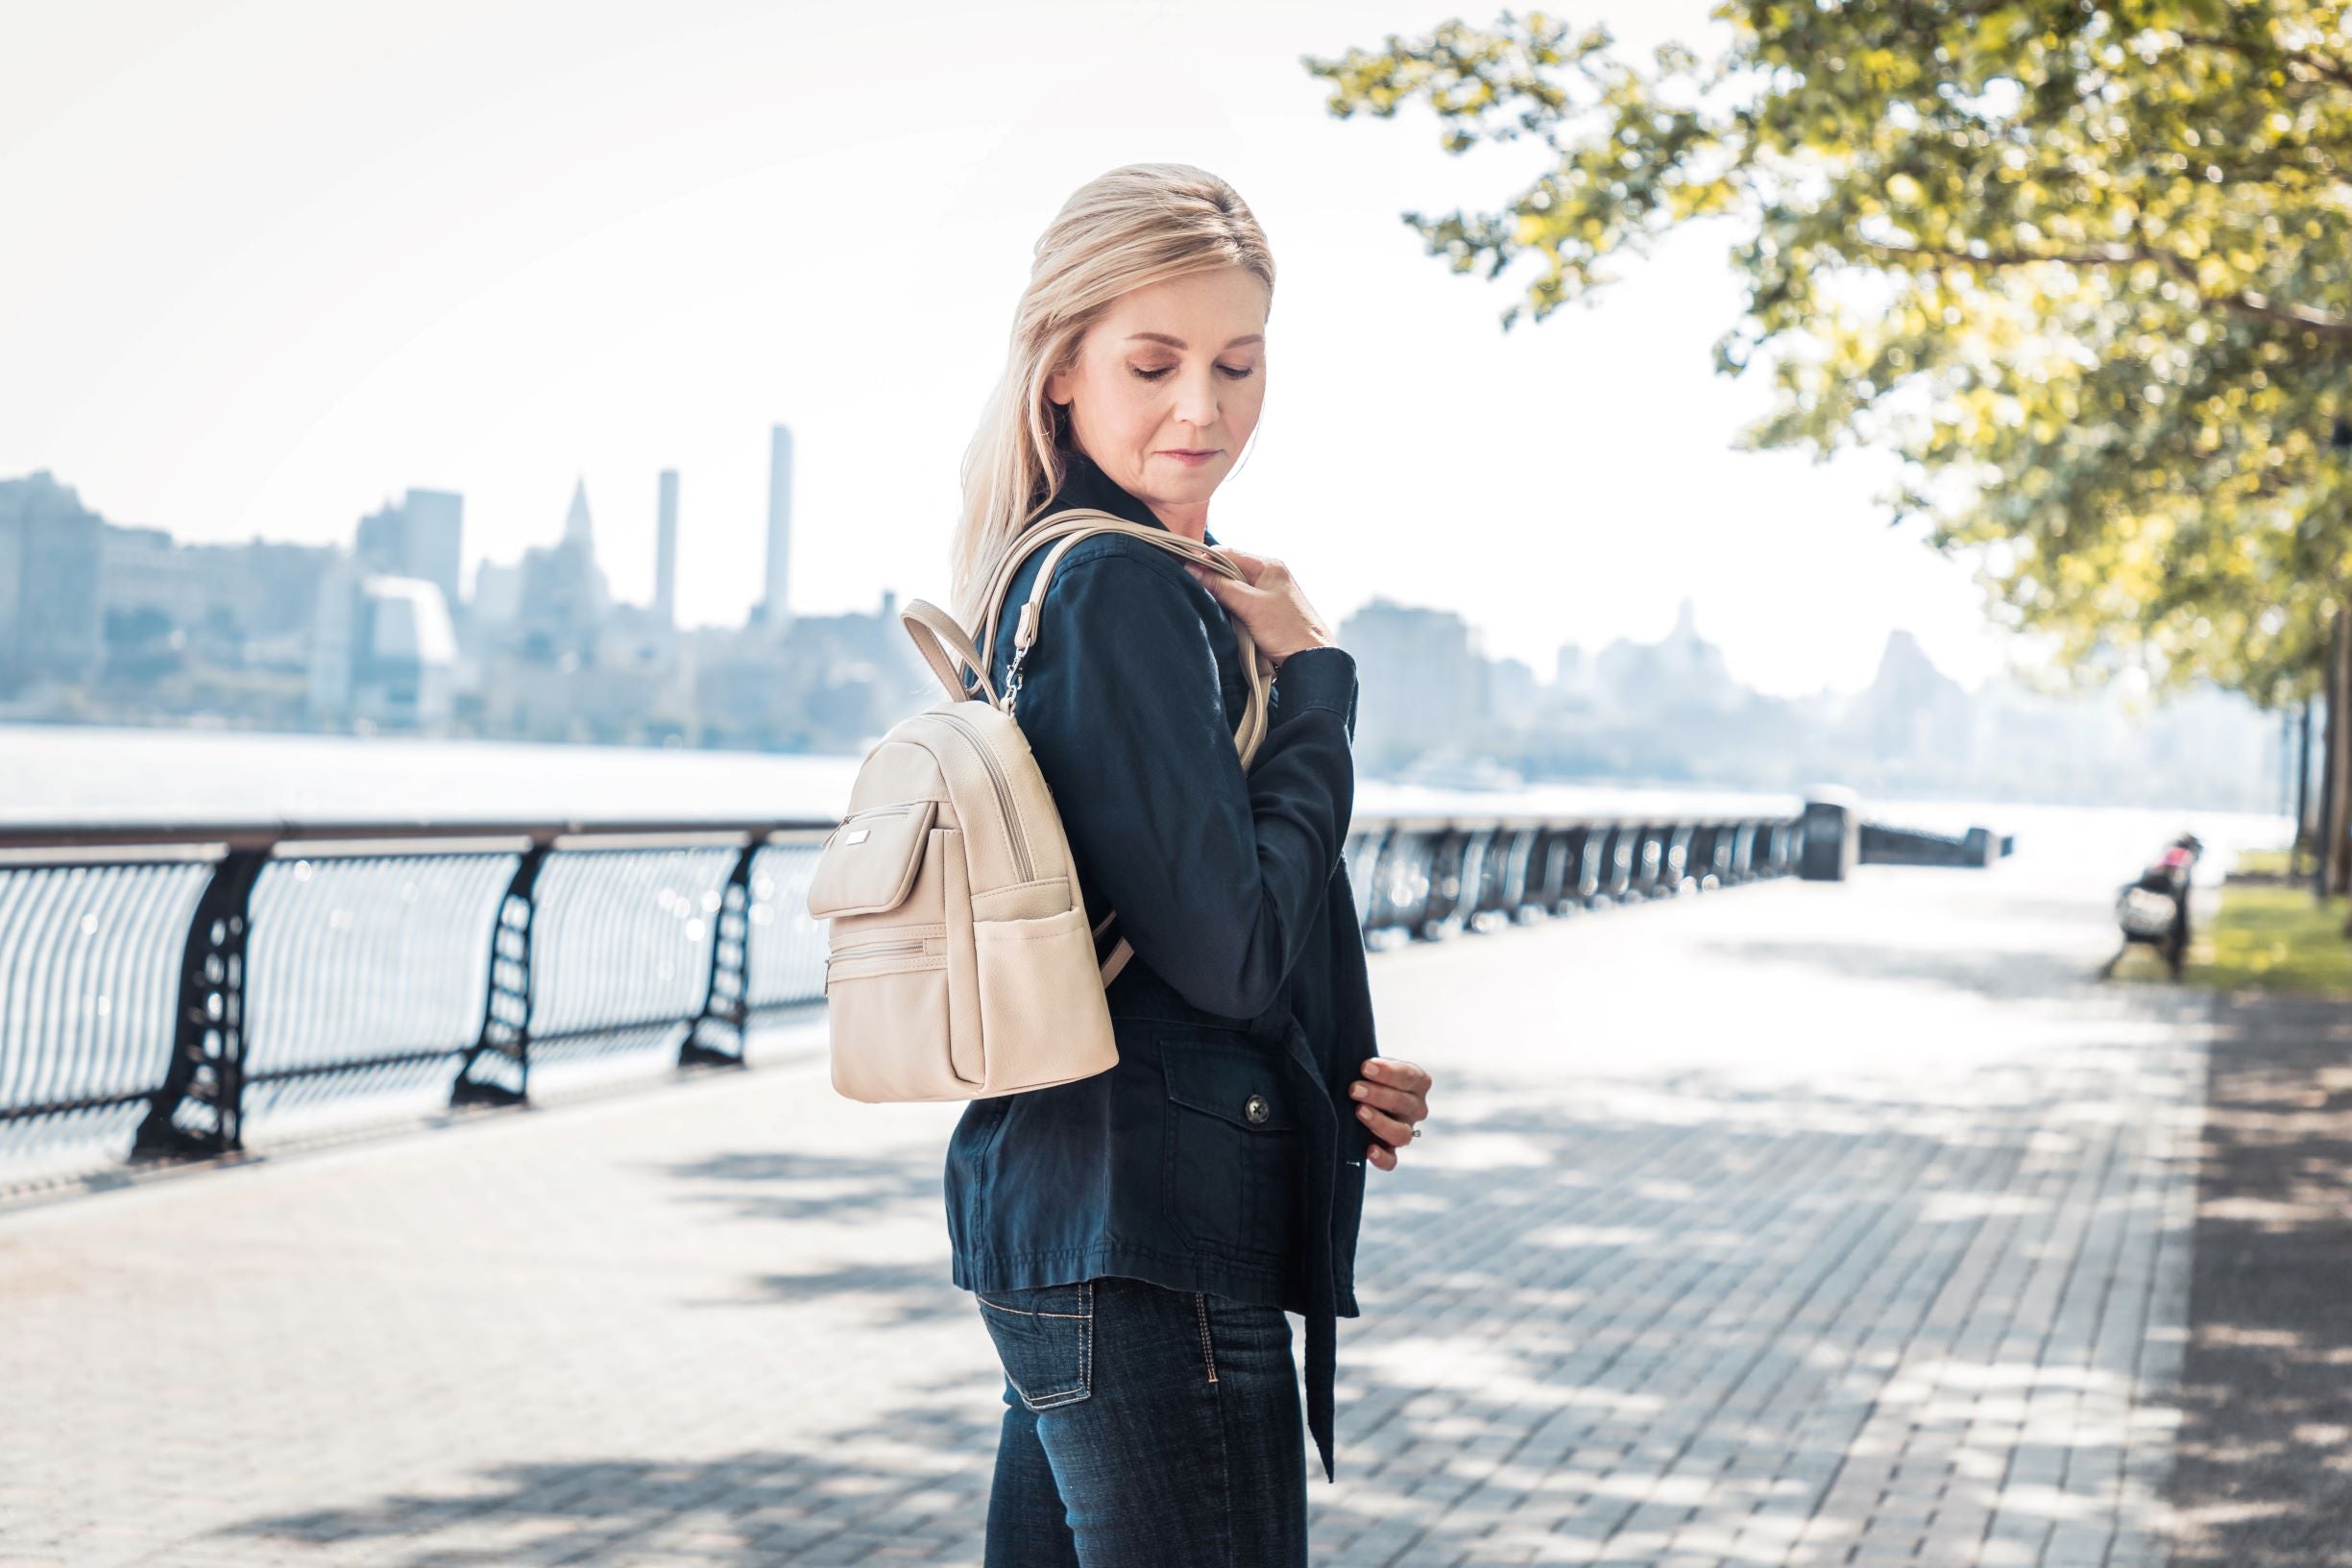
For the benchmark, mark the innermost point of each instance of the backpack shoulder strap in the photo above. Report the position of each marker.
(1068, 528)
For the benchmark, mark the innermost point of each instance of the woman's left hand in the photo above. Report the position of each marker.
(1390, 1098)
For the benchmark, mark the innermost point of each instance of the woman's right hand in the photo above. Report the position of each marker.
(1279, 619)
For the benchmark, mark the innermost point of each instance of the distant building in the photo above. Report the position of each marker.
(1570, 674)
(144, 569)
(1914, 710)
(1682, 672)
(666, 551)
(564, 595)
(52, 625)
(1421, 684)
(403, 653)
(333, 627)
(229, 605)
(1511, 694)
(263, 586)
(497, 593)
(775, 610)
(423, 537)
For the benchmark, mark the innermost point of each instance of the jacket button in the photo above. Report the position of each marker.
(1257, 1110)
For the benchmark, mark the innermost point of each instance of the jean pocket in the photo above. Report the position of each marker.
(1044, 1336)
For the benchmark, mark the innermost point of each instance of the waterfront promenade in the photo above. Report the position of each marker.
(1797, 1223)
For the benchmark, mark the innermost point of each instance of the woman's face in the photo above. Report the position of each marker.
(1169, 383)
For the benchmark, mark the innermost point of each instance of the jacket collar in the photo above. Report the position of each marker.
(1086, 484)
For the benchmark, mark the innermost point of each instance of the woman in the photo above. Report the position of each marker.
(1134, 1238)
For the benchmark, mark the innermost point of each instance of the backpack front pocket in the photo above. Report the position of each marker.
(891, 966)
(893, 991)
(870, 862)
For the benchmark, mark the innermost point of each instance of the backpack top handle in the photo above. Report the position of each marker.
(946, 647)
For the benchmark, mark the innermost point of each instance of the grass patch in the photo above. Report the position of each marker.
(2269, 939)
(2261, 863)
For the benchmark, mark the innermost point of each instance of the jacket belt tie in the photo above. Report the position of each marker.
(1322, 1292)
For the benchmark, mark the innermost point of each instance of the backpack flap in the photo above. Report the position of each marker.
(869, 863)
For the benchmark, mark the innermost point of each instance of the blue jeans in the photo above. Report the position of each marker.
(1145, 1428)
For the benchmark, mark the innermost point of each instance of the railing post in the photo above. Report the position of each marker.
(1591, 860)
(1521, 854)
(1407, 882)
(1545, 859)
(1649, 861)
(1706, 849)
(506, 1005)
(1622, 839)
(1364, 881)
(208, 1062)
(1478, 868)
(1450, 870)
(726, 994)
(1678, 860)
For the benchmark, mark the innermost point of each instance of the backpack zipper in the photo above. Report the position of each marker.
(875, 949)
(1003, 789)
(897, 808)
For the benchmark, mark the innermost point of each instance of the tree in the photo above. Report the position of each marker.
(2080, 265)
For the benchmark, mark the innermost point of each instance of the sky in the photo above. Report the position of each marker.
(268, 265)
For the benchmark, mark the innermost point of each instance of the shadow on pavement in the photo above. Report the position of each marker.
(911, 1487)
(2264, 1472)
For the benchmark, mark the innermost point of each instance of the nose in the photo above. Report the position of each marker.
(1197, 401)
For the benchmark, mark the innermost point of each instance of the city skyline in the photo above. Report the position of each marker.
(482, 252)
(578, 523)
(104, 623)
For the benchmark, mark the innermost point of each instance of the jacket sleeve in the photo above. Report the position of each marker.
(1216, 875)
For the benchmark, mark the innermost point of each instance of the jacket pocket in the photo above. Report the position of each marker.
(1232, 1143)
(1044, 1336)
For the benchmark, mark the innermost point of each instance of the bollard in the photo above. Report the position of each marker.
(1832, 829)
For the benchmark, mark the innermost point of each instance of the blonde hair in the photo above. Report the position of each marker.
(1133, 227)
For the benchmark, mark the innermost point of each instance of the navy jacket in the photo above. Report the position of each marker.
(1222, 1152)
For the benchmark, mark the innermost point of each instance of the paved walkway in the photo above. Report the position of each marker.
(1796, 1224)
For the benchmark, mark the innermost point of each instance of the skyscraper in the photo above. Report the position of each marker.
(666, 552)
(422, 537)
(776, 609)
(578, 528)
(564, 595)
(436, 534)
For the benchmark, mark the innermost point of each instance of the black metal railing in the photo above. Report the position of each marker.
(171, 984)
(1425, 878)
(1883, 845)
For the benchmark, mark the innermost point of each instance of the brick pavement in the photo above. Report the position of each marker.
(1800, 1224)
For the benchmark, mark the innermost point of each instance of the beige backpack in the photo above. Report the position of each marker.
(960, 964)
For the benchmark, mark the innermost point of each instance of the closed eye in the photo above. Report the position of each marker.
(1232, 373)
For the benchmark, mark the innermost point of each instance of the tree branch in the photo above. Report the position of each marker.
(2310, 60)
(2247, 303)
